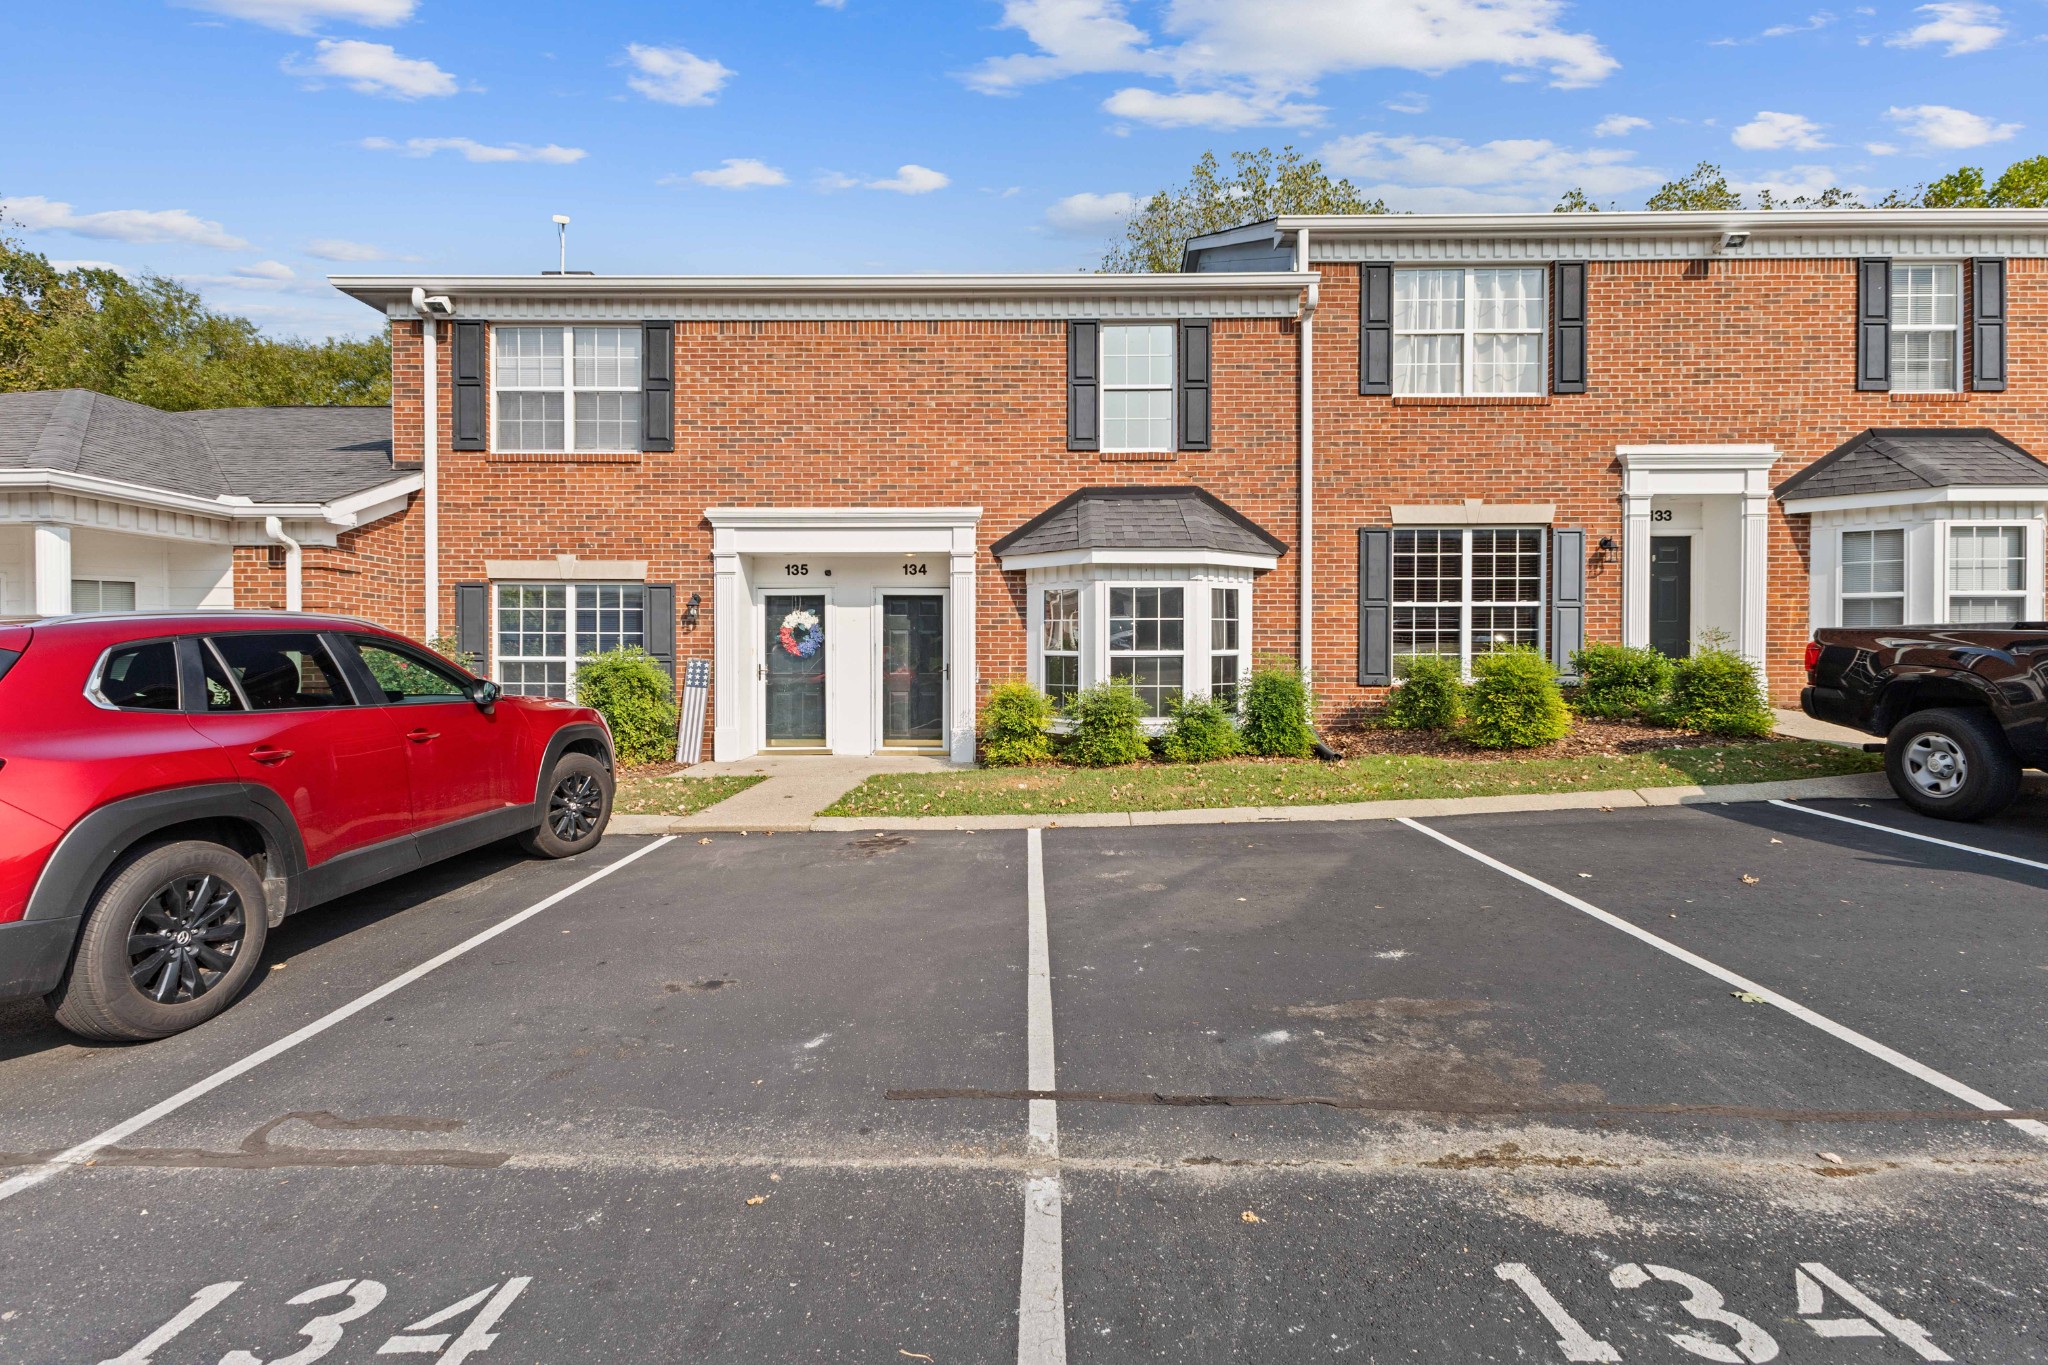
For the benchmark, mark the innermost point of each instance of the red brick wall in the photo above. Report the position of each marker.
(1721, 351)
(375, 571)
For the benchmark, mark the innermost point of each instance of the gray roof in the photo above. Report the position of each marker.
(1139, 519)
(267, 455)
(1909, 459)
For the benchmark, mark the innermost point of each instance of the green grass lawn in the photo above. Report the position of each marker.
(1067, 791)
(673, 795)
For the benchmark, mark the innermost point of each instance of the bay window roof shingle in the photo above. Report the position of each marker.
(1139, 518)
(1914, 459)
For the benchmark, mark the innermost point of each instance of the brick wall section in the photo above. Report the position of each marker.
(376, 571)
(866, 414)
(1679, 352)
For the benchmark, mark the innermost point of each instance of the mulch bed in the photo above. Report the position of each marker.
(1588, 738)
(652, 769)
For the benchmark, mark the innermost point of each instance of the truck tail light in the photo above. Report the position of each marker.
(1812, 657)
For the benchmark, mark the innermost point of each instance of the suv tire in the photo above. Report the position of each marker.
(575, 806)
(168, 943)
(1951, 764)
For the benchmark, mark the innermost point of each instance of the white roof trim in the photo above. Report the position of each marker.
(843, 530)
(2033, 494)
(342, 511)
(1062, 559)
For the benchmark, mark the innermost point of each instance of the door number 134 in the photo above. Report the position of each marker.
(324, 1331)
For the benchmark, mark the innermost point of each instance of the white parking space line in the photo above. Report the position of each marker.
(1917, 1070)
(1908, 834)
(1042, 1299)
(86, 1150)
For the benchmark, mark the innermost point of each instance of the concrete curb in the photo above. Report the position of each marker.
(1853, 785)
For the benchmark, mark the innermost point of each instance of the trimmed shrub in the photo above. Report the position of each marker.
(1431, 695)
(1619, 681)
(1201, 729)
(1106, 720)
(1515, 702)
(1276, 711)
(1013, 726)
(1717, 691)
(634, 694)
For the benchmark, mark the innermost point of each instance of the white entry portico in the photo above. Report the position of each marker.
(1715, 501)
(855, 570)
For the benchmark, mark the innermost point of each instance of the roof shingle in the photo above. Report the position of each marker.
(1139, 518)
(1910, 459)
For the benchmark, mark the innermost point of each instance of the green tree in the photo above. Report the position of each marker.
(2023, 185)
(153, 340)
(1704, 187)
(1576, 201)
(1259, 185)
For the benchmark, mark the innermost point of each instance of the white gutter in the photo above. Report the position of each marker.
(341, 512)
(1307, 474)
(1651, 224)
(430, 502)
(294, 587)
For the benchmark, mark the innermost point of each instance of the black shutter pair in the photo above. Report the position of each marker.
(1874, 322)
(657, 386)
(1376, 603)
(1191, 390)
(473, 625)
(1376, 327)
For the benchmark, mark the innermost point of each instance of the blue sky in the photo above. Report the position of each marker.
(252, 147)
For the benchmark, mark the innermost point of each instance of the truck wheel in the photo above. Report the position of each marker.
(168, 944)
(1951, 764)
(574, 810)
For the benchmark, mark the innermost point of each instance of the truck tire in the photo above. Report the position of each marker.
(1952, 764)
(167, 944)
(575, 806)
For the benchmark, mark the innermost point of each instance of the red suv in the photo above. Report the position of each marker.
(171, 787)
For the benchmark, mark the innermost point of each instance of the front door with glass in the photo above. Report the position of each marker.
(793, 674)
(914, 670)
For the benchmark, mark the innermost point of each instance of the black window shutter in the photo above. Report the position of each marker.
(468, 404)
(1568, 329)
(1375, 606)
(1567, 600)
(1874, 324)
(1987, 325)
(473, 625)
(1194, 386)
(1084, 396)
(658, 386)
(661, 624)
(1376, 327)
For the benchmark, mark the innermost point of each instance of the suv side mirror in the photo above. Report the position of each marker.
(485, 694)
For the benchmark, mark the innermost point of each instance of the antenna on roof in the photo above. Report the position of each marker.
(562, 230)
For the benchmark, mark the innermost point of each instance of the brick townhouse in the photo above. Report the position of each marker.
(863, 500)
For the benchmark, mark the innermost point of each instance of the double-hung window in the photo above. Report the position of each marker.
(1147, 643)
(567, 388)
(1874, 577)
(1060, 644)
(1926, 328)
(1460, 332)
(1987, 573)
(101, 594)
(1226, 645)
(1460, 593)
(544, 628)
(1137, 387)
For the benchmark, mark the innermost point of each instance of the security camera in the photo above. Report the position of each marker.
(438, 305)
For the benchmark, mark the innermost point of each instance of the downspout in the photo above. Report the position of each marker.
(1307, 474)
(430, 419)
(294, 588)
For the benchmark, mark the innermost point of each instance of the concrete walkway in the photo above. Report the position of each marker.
(1799, 725)
(798, 787)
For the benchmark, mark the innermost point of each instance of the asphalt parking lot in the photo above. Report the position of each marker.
(1646, 1085)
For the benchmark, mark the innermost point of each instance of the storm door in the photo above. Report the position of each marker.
(914, 669)
(793, 678)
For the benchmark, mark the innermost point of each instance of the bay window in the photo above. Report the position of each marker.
(1167, 637)
(1987, 574)
(1874, 577)
(1147, 633)
(567, 388)
(1468, 331)
(1060, 644)
(1461, 593)
(1926, 325)
(544, 628)
(1226, 653)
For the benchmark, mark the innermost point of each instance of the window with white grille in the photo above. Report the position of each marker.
(567, 388)
(1987, 573)
(1468, 331)
(1461, 593)
(544, 628)
(1926, 327)
(1137, 387)
(1874, 577)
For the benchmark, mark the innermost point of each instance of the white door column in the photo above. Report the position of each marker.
(1635, 570)
(52, 571)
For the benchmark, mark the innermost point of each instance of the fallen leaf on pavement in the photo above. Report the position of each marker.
(914, 1355)
(1587, 875)
(757, 1199)
(1250, 1217)
(705, 840)
(1748, 880)
(1748, 997)
(1829, 1157)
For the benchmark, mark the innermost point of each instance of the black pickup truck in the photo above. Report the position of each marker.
(1962, 708)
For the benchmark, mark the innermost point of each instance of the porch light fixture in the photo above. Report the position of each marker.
(690, 611)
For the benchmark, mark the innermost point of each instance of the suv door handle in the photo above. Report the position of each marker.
(422, 735)
(264, 753)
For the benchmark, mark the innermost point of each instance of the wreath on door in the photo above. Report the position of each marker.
(801, 635)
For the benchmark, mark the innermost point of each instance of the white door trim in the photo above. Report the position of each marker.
(760, 680)
(881, 623)
(1699, 471)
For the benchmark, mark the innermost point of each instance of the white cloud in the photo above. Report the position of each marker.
(1505, 175)
(472, 150)
(1770, 131)
(833, 4)
(1881, 148)
(1619, 125)
(1274, 49)
(1209, 109)
(267, 270)
(1812, 22)
(1091, 215)
(912, 179)
(37, 214)
(304, 16)
(341, 249)
(1794, 181)
(737, 173)
(1407, 102)
(674, 75)
(91, 265)
(1963, 26)
(1938, 125)
(373, 69)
